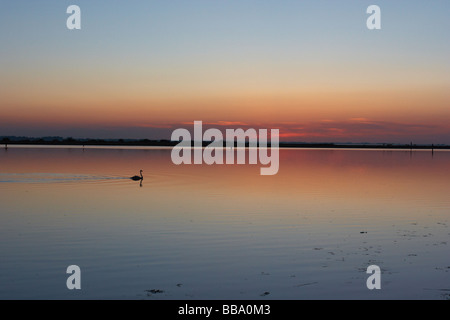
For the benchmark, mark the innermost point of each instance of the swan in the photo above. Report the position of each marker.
(136, 178)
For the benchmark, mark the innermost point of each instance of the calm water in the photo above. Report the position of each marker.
(224, 232)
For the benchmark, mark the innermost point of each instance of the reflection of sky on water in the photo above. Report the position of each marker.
(223, 231)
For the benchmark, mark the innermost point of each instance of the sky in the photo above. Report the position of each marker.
(312, 69)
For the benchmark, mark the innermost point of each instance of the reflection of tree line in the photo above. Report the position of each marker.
(167, 143)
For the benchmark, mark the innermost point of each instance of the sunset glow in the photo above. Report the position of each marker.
(233, 63)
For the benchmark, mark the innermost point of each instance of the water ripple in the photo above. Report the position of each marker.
(56, 178)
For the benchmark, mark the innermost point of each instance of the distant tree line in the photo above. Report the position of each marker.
(163, 142)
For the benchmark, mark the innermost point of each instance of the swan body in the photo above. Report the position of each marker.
(137, 178)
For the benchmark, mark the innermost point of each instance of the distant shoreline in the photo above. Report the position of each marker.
(168, 143)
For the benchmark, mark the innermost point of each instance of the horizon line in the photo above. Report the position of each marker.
(59, 140)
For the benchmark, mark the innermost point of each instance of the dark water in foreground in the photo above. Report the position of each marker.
(224, 232)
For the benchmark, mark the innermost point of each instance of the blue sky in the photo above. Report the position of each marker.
(145, 53)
